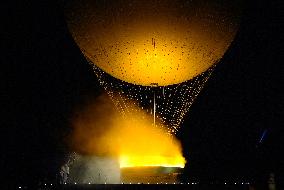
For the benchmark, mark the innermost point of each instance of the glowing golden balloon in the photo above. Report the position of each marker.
(153, 42)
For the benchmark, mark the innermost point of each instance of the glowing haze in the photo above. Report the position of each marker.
(100, 130)
(162, 42)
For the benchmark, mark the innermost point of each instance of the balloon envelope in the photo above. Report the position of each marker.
(161, 42)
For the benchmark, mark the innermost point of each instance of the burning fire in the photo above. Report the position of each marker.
(140, 161)
(142, 144)
(100, 130)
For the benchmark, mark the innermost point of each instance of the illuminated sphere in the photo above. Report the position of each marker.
(161, 42)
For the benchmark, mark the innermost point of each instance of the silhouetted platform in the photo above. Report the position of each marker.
(149, 187)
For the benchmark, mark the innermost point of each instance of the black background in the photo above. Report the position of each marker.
(44, 76)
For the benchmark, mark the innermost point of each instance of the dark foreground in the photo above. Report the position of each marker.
(152, 187)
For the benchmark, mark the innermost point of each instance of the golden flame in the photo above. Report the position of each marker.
(133, 140)
(142, 144)
(141, 161)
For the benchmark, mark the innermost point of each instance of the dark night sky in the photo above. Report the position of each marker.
(45, 76)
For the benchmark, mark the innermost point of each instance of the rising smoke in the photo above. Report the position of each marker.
(105, 141)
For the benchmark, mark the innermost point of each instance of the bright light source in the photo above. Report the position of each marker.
(20, 187)
(89, 183)
(45, 184)
(75, 183)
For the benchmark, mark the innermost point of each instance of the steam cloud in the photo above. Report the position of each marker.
(106, 141)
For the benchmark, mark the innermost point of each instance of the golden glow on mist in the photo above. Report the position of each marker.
(163, 42)
(99, 130)
(145, 145)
